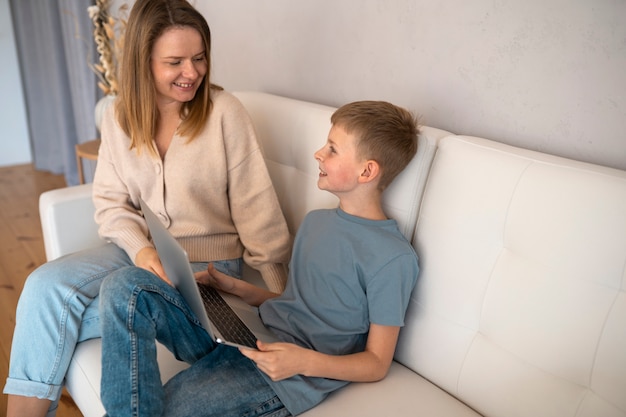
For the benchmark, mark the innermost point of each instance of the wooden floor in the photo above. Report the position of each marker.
(21, 251)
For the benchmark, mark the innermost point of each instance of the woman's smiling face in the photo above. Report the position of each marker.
(178, 64)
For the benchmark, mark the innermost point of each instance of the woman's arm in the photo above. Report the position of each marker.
(283, 360)
(115, 187)
(249, 293)
(254, 206)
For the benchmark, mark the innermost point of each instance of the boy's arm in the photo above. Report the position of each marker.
(249, 293)
(283, 360)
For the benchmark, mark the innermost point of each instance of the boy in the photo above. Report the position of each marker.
(351, 276)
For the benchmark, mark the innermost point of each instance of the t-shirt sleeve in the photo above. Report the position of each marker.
(389, 290)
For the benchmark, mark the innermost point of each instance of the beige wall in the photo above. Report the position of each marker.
(543, 74)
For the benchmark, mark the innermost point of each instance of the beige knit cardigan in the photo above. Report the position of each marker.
(214, 193)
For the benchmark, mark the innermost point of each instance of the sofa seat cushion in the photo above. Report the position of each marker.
(401, 393)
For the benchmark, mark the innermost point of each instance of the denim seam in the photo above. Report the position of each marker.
(134, 400)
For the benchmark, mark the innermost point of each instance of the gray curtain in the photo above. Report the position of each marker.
(55, 44)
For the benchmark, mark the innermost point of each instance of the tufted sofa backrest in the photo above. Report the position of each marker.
(289, 143)
(521, 300)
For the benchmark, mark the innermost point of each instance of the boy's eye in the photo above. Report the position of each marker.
(332, 149)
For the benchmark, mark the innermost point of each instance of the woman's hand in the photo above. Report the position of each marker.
(148, 259)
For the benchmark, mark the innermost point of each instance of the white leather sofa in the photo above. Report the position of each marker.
(520, 308)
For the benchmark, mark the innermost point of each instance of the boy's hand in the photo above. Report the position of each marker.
(216, 279)
(278, 360)
(249, 293)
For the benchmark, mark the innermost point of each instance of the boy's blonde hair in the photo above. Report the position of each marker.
(386, 134)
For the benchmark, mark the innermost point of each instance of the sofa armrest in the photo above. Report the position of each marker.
(67, 220)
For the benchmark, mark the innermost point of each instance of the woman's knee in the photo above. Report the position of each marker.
(75, 271)
(46, 281)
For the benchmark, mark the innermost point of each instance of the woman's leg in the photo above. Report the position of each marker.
(18, 405)
(48, 323)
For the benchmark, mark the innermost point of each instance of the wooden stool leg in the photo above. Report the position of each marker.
(86, 150)
(79, 164)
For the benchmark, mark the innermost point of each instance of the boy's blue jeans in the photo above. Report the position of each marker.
(137, 308)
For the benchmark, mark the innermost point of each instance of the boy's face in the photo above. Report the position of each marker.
(340, 166)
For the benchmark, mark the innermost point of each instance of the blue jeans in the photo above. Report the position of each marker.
(56, 311)
(137, 308)
(58, 308)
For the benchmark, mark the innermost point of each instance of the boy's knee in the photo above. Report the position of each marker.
(125, 280)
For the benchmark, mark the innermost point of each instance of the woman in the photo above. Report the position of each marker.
(188, 149)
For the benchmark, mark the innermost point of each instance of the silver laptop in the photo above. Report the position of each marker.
(227, 318)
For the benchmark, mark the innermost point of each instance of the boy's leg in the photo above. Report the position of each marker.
(50, 312)
(137, 308)
(223, 383)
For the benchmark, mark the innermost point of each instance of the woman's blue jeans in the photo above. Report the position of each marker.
(137, 308)
(55, 311)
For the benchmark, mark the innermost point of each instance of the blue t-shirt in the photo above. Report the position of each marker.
(345, 273)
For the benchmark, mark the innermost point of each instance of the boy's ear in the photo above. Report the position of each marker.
(371, 171)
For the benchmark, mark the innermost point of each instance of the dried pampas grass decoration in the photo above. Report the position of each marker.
(108, 34)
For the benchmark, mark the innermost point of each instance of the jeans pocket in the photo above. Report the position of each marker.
(232, 267)
(270, 408)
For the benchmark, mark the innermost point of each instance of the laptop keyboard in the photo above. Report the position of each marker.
(224, 318)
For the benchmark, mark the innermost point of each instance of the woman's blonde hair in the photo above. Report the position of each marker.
(136, 108)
